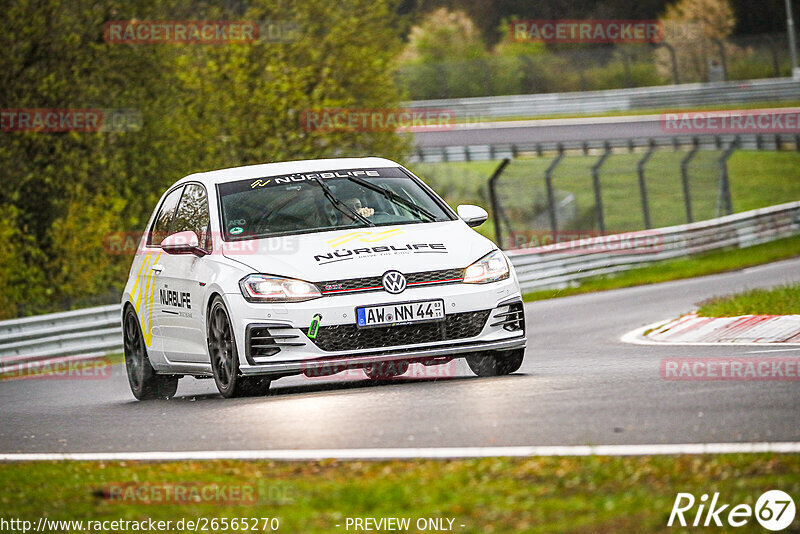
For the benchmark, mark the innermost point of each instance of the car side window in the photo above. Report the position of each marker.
(163, 220)
(192, 214)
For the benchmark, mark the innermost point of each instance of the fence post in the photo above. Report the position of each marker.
(687, 199)
(487, 77)
(674, 59)
(529, 81)
(598, 196)
(723, 58)
(725, 185)
(551, 197)
(627, 65)
(498, 231)
(642, 185)
(773, 48)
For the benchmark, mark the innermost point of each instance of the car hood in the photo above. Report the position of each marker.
(363, 252)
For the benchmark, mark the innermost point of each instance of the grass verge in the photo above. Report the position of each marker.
(539, 494)
(781, 300)
(717, 261)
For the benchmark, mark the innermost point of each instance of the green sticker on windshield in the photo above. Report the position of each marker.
(237, 230)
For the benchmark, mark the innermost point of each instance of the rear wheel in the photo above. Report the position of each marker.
(145, 383)
(496, 363)
(225, 358)
(385, 370)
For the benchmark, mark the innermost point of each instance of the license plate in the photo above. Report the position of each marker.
(402, 313)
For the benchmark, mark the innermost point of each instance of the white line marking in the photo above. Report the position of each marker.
(547, 123)
(582, 121)
(414, 453)
(34, 365)
(775, 350)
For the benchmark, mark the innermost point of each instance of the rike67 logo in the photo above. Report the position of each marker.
(774, 510)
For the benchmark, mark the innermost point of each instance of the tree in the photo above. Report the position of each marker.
(697, 30)
(203, 107)
(446, 57)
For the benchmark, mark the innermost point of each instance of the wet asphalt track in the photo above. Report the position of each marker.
(579, 385)
(550, 130)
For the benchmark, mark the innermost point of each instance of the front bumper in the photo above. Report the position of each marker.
(335, 364)
(284, 327)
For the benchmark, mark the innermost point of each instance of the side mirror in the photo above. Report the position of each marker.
(182, 243)
(472, 215)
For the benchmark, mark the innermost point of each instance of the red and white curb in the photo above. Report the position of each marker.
(691, 329)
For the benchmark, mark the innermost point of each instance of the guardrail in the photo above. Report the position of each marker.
(73, 334)
(97, 331)
(659, 97)
(561, 264)
(439, 154)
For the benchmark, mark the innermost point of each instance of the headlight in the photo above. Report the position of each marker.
(263, 288)
(490, 268)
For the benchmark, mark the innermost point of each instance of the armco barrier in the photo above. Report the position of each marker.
(87, 332)
(660, 97)
(97, 331)
(562, 264)
(497, 151)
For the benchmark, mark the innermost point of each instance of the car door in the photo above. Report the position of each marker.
(182, 282)
(144, 294)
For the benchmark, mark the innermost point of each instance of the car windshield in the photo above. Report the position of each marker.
(328, 200)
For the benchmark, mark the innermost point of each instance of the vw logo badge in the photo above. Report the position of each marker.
(394, 282)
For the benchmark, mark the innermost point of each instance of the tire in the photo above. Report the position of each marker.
(386, 370)
(225, 357)
(496, 363)
(145, 383)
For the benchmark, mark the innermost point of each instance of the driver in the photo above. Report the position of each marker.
(355, 204)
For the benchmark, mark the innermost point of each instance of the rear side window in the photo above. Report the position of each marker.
(163, 220)
(192, 215)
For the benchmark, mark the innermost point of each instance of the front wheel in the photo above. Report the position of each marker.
(145, 383)
(496, 363)
(225, 357)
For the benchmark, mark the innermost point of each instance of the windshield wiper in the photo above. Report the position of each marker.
(339, 204)
(391, 195)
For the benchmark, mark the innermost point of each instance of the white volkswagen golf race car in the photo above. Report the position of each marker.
(313, 267)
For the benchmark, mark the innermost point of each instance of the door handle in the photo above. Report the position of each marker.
(157, 267)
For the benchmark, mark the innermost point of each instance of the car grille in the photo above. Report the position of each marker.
(260, 342)
(350, 337)
(512, 319)
(374, 283)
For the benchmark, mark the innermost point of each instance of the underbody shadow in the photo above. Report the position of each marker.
(333, 385)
